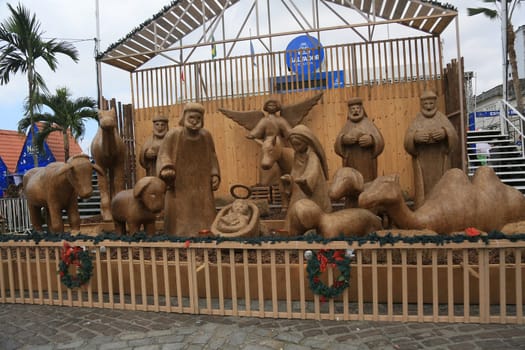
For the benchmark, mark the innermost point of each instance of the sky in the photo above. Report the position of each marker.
(75, 21)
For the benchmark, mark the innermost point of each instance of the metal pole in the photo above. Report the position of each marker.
(97, 51)
(503, 112)
(462, 123)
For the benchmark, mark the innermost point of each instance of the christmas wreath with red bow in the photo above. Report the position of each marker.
(318, 263)
(81, 259)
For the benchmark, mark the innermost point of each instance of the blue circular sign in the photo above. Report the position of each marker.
(304, 55)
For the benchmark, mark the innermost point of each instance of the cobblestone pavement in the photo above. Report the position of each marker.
(54, 327)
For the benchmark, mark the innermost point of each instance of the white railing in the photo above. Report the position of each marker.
(516, 123)
(15, 215)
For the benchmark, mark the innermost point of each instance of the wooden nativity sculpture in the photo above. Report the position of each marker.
(238, 219)
(56, 187)
(109, 152)
(139, 206)
(454, 204)
(273, 125)
(305, 215)
(347, 183)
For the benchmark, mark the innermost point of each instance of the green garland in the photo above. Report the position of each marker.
(318, 263)
(83, 262)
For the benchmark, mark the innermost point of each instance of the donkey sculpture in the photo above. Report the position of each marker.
(109, 152)
(276, 156)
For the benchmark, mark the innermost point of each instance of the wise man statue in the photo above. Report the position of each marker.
(359, 142)
(150, 148)
(430, 139)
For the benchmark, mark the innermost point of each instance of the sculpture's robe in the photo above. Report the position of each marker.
(150, 164)
(310, 166)
(189, 205)
(429, 160)
(307, 166)
(363, 159)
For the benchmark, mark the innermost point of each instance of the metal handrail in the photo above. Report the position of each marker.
(509, 122)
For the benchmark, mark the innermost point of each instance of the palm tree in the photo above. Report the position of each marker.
(67, 116)
(494, 14)
(21, 46)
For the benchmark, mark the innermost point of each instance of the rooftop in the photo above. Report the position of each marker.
(11, 143)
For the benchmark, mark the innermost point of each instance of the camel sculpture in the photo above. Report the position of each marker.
(305, 215)
(109, 152)
(454, 204)
(348, 183)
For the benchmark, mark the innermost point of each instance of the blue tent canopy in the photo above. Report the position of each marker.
(25, 161)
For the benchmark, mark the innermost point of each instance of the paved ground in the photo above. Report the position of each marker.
(47, 327)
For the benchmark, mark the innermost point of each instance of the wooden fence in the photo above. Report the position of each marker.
(351, 64)
(469, 282)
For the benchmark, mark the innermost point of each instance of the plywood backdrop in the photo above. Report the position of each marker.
(391, 107)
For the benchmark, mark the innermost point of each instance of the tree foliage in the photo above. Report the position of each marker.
(21, 47)
(67, 116)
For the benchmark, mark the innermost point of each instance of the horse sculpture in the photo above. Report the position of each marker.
(276, 156)
(454, 204)
(109, 152)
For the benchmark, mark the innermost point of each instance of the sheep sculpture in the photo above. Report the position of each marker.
(139, 206)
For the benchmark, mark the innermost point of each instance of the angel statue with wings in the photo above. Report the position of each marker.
(278, 121)
(272, 131)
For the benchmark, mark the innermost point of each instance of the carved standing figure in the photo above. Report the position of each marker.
(109, 152)
(359, 142)
(309, 175)
(454, 204)
(57, 186)
(430, 139)
(187, 162)
(150, 148)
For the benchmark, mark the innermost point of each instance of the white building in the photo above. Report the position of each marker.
(519, 45)
(487, 104)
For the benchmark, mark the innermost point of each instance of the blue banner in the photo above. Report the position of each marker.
(3, 177)
(25, 161)
(488, 114)
(316, 81)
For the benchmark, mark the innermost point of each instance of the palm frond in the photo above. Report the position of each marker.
(490, 13)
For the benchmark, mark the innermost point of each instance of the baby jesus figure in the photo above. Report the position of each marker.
(237, 218)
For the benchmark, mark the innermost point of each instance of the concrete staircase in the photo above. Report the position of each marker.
(505, 157)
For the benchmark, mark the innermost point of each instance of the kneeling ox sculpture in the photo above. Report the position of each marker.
(56, 187)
